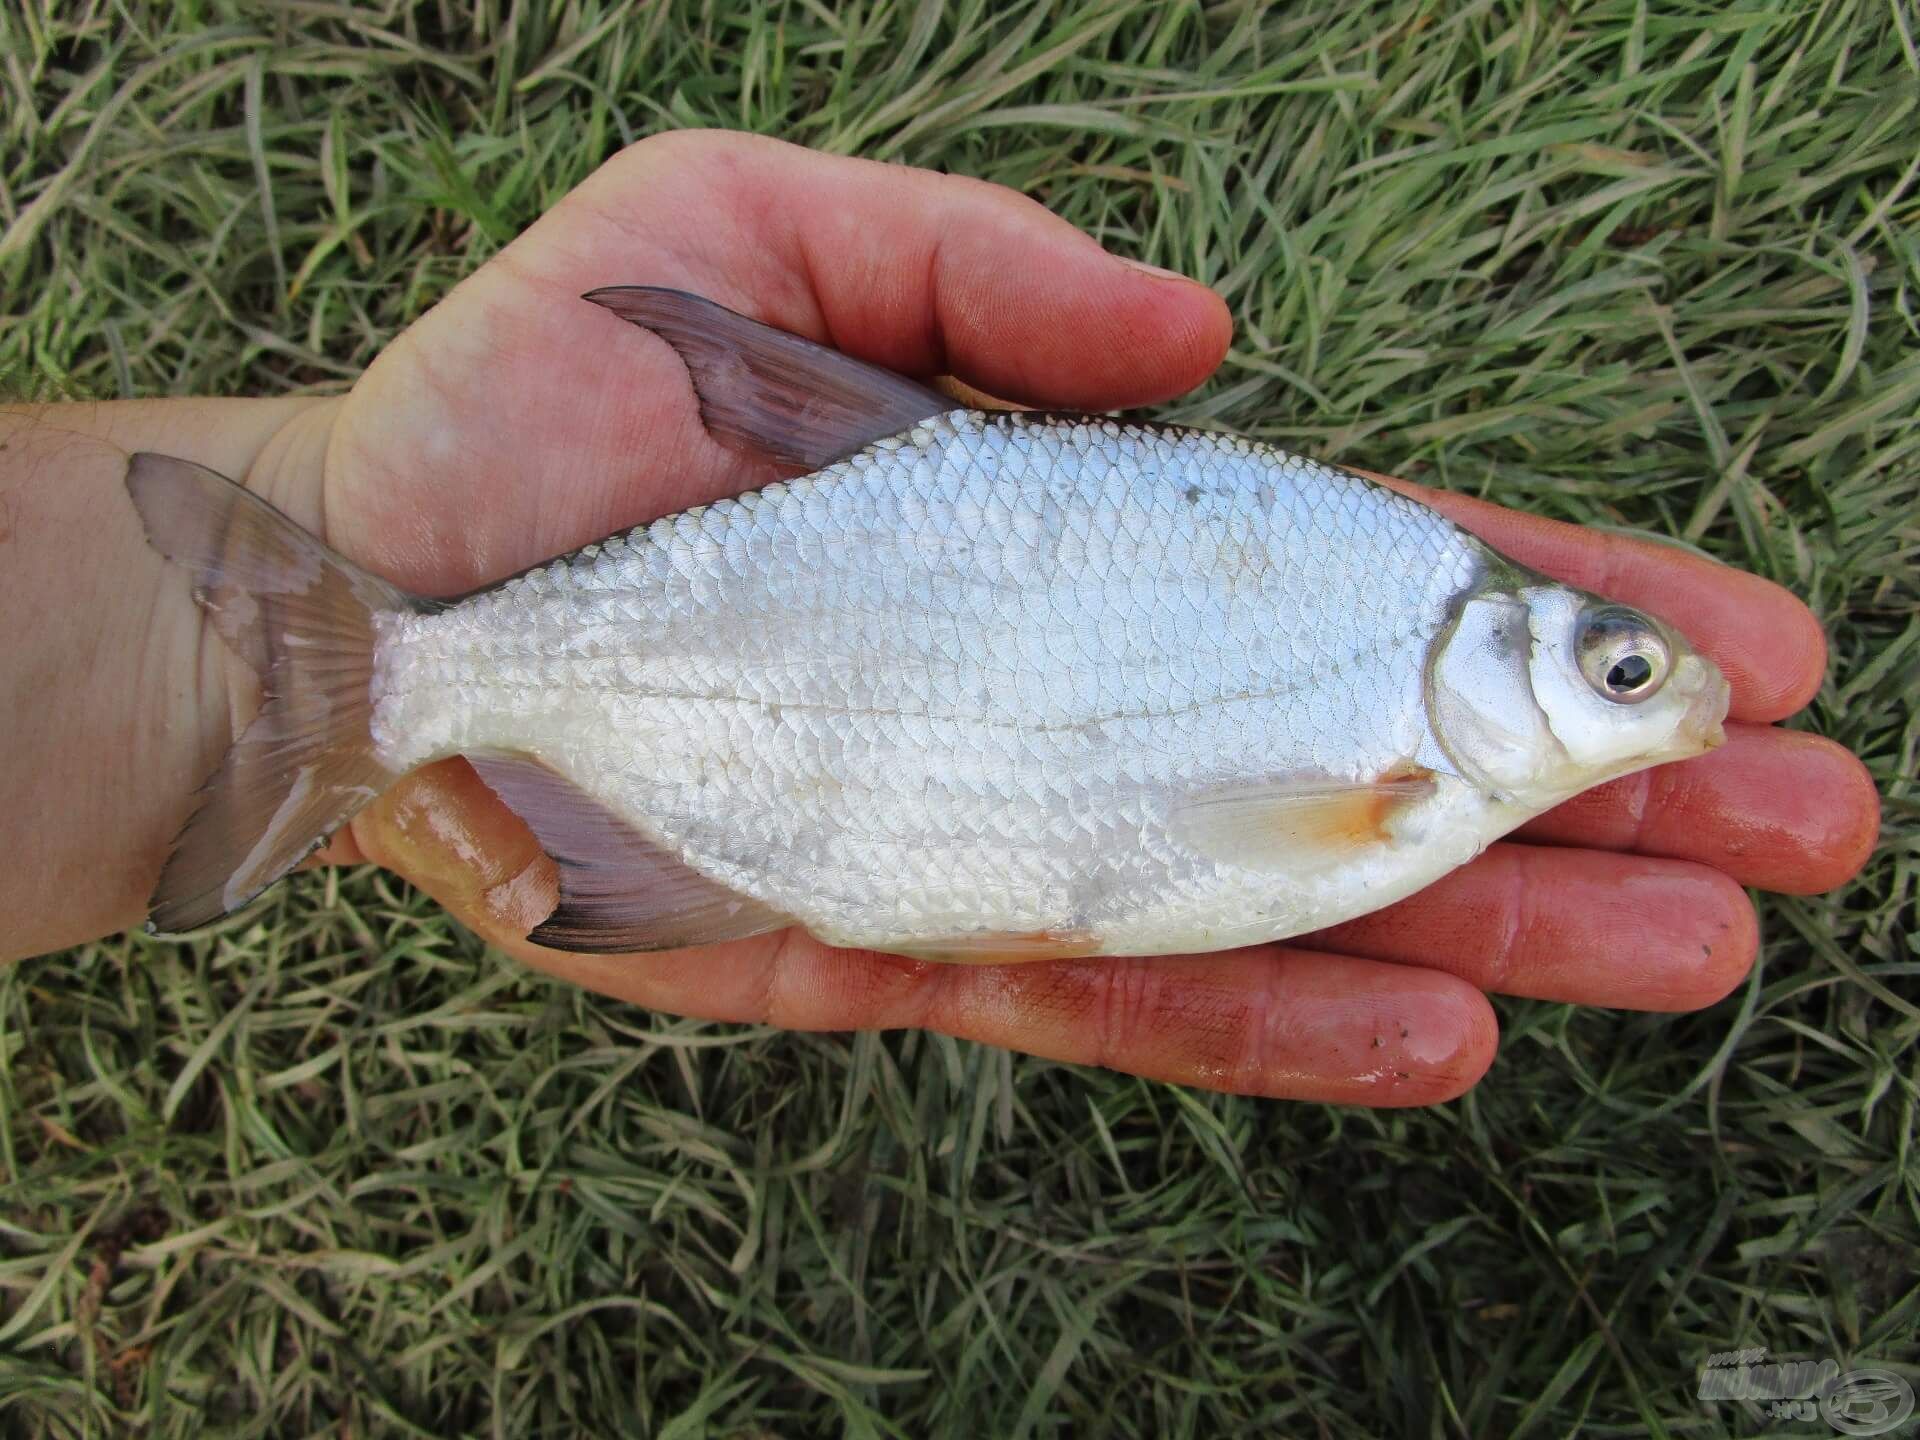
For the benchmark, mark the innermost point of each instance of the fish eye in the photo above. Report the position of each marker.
(1623, 654)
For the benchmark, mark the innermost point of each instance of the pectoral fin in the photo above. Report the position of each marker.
(795, 402)
(619, 891)
(1296, 821)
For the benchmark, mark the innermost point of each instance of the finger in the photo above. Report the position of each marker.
(1576, 926)
(1775, 809)
(921, 272)
(1269, 1021)
(444, 830)
(1768, 645)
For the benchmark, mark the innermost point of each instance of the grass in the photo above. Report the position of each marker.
(339, 1170)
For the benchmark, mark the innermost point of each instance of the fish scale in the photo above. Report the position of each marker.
(961, 680)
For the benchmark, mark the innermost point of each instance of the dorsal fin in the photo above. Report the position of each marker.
(794, 402)
(619, 891)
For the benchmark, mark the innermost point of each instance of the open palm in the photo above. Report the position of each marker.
(515, 422)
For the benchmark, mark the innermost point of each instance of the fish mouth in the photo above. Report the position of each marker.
(1702, 724)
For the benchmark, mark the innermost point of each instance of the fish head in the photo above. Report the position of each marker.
(1538, 691)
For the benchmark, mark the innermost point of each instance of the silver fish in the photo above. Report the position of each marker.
(980, 686)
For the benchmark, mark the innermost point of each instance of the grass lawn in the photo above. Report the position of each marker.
(338, 1170)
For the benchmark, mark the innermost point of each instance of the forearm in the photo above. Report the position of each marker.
(115, 699)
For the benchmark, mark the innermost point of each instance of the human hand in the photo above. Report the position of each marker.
(514, 422)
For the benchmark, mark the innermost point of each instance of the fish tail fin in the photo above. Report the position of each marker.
(303, 618)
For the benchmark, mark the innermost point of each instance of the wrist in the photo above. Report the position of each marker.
(116, 698)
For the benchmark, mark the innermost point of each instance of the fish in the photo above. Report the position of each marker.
(975, 685)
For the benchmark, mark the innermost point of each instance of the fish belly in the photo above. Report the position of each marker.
(965, 684)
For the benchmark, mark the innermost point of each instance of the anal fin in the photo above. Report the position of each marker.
(619, 892)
